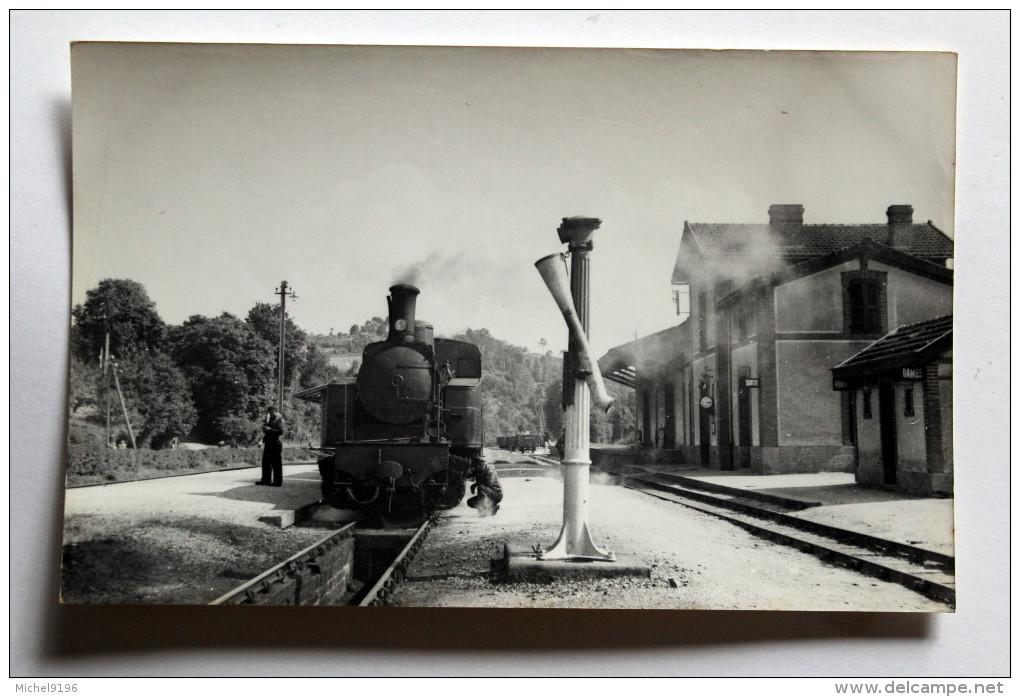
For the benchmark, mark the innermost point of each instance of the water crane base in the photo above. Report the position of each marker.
(522, 565)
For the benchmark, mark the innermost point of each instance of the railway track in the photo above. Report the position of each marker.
(546, 460)
(298, 579)
(379, 593)
(288, 579)
(315, 575)
(926, 572)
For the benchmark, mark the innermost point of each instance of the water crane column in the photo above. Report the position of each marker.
(575, 542)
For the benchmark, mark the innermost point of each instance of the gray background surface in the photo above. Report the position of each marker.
(50, 640)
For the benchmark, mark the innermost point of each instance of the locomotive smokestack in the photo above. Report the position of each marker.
(402, 301)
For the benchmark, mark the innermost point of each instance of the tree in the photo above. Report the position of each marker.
(264, 319)
(623, 416)
(229, 368)
(158, 398)
(553, 405)
(123, 308)
(316, 369)
(239, 431)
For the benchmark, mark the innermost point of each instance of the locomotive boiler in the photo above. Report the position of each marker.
(407, 432)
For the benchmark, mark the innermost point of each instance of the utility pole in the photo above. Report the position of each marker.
(283, 291)
(106, 379)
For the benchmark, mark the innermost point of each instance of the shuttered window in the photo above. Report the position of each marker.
(865, 307)
(864, 302)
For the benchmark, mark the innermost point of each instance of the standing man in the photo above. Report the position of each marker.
(272, 454)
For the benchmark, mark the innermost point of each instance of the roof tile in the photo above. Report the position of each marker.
(810, 240)
(904, 343)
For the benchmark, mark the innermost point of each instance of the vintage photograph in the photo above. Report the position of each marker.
(511, 327)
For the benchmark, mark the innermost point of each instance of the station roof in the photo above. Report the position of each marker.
(866, 248)
(910, 345)
(314, 394)
(794, 243)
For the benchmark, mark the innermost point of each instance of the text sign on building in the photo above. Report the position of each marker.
(912, 374)
(752, 382)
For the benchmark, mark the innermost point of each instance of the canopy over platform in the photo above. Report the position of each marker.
(649, 355)
(314, 394)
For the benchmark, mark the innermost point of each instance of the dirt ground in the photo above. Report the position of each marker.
(697, 561)
(183, 540)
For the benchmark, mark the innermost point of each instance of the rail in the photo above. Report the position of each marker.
(380, 592)
(923, 572)
(246, 592)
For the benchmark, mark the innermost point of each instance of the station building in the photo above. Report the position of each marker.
(745, 380)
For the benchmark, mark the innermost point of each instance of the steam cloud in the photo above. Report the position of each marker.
(436, 267)
(759, 253)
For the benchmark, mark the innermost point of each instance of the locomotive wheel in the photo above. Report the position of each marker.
(451, 496)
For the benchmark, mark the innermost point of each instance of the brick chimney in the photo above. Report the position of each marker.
(901, 227)
(786, 215)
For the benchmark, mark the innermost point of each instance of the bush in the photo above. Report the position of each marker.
(239, 430)
(89, 463)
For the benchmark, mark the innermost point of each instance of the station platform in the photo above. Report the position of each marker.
(832, 498)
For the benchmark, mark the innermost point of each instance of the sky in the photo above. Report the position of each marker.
(210, 173)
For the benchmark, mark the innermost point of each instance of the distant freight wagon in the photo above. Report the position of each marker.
(525, 442)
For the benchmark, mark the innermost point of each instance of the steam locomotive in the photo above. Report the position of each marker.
(407, 431)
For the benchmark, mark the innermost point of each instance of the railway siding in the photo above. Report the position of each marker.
(929, 579)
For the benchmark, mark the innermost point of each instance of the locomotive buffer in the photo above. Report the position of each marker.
(574, 553)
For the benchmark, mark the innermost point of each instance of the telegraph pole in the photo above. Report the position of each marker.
(283, 291)
(106, 379)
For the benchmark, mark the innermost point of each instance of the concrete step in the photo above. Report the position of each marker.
(669, 457)
(781, 501)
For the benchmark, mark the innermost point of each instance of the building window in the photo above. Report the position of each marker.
(646, 417)
(744, 324)
(866, 403)
(908, 401)
(702, 321)
(864, 302)
(864, 307)
(740, 321)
